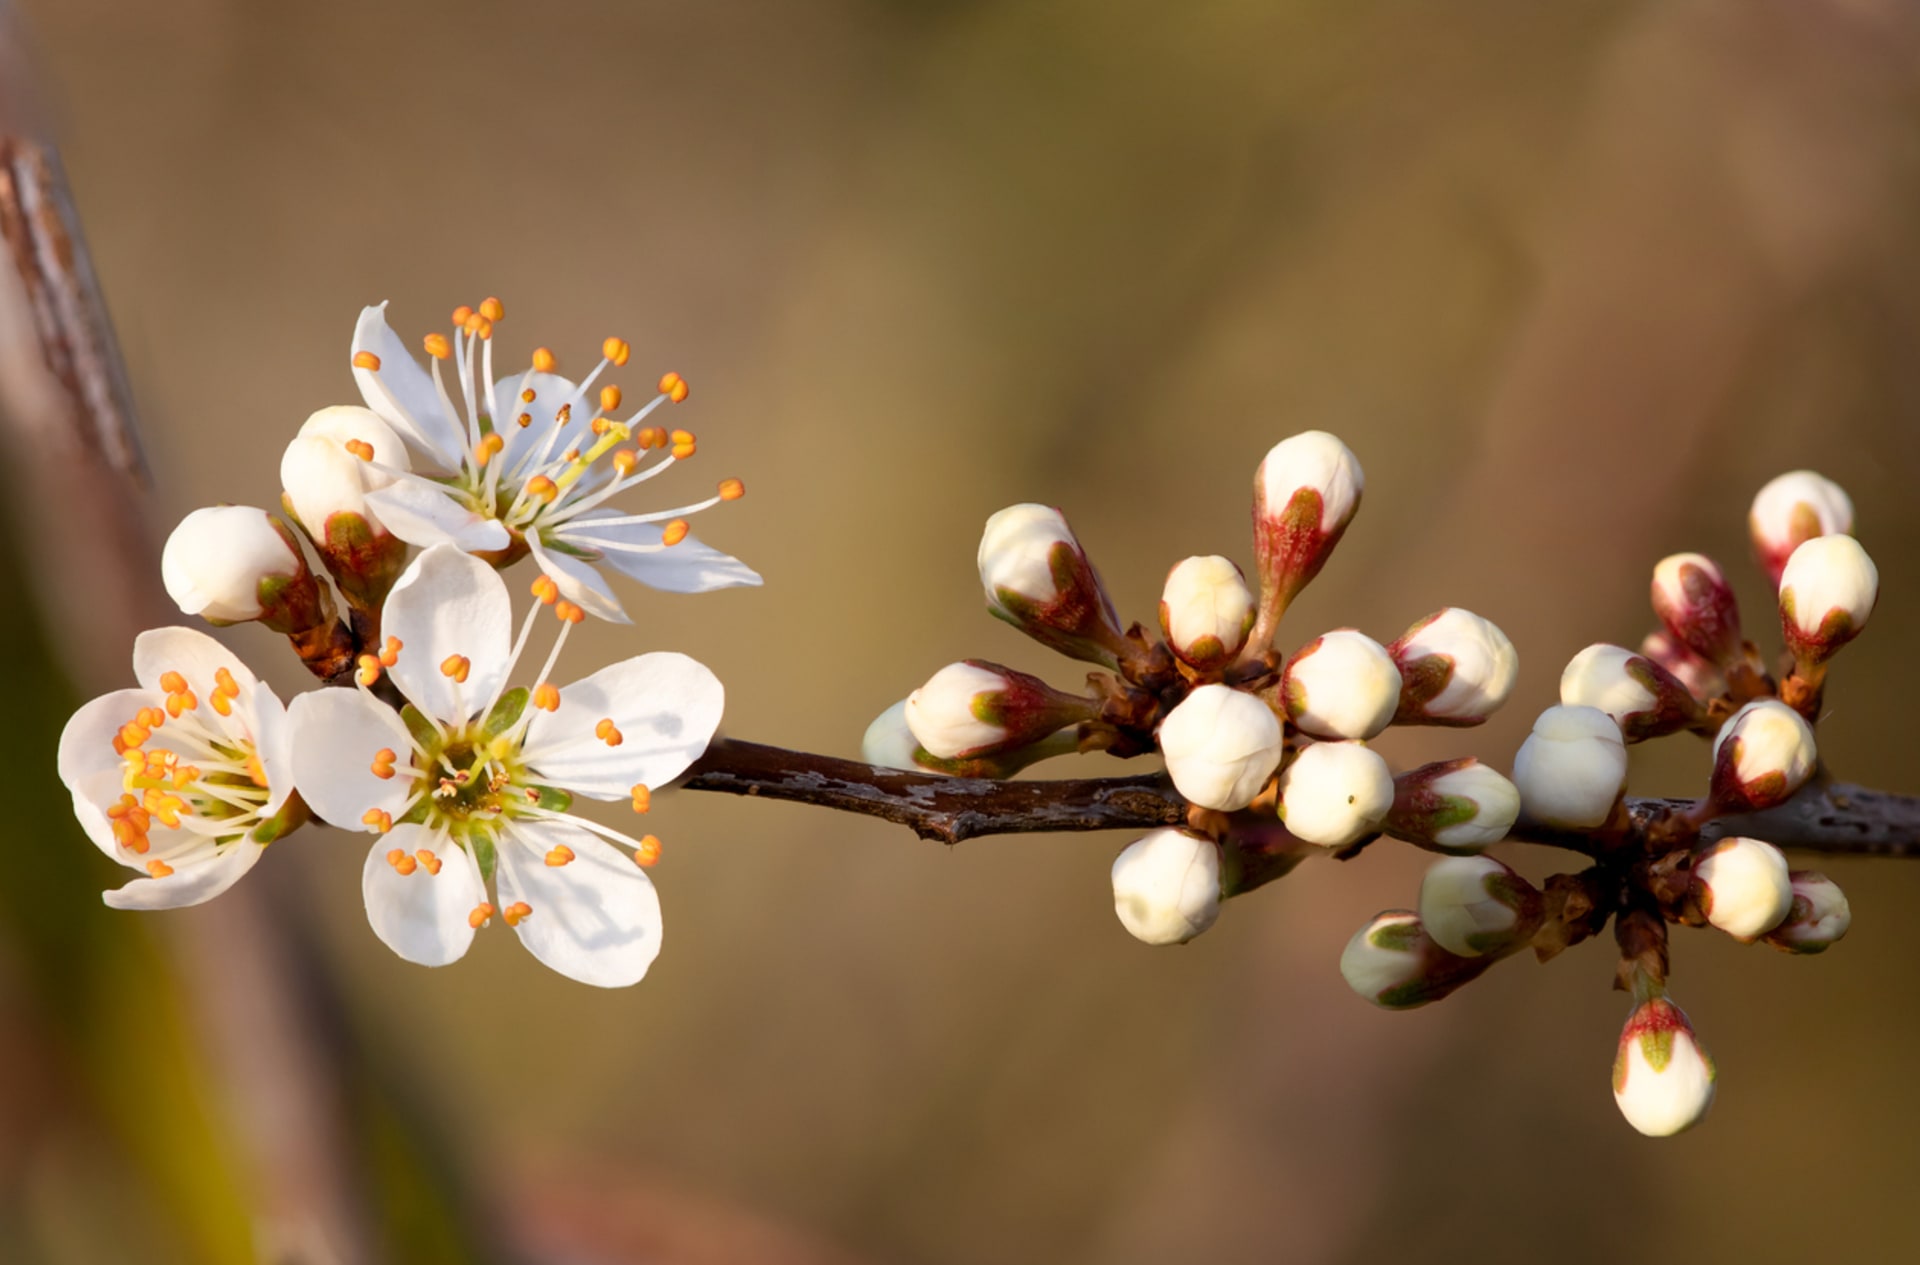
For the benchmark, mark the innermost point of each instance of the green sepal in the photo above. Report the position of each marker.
(553, 799)
(506, 712)
(292, 815)
(417, 815)
(481, 846)
(424, 734)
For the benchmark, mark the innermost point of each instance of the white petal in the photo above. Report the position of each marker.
(579, 582)
(422, 916)
(403, 393)
(595, 919)
(273, 743)
(193, 655)
(421, 516)
(189, 884)
(450, 603)
(550, 391)
(86, 744)
(637, 550)
(334, 737)
(93, 791)
(666, 707)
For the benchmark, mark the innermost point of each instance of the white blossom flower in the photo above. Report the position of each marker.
(1220, 746)
(1166, 886)
(186, 778)
(528, 463)
(470, 783)
(1662, 1079)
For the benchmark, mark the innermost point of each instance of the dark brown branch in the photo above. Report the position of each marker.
(1834, 819)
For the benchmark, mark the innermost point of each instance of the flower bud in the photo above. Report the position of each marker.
(1643, 698)
(326, 486)
(1335, 793)
(1793, 509)
(1702, 679)
(1662, 1079)
(1827, 590)
(1472, 906)
(1742, 887)
(232, 563)
(1818, 917)
(973, 708)
(1571, 769)
(1166, 886)
(1455, 669)
(888, 743)
(1220, 746)
(1304, 495)
(1342, 684)
(1695, 602)
(1762, 755)
(1038, 578)
(1455, 806)
(1206, 612)
(1394, 964)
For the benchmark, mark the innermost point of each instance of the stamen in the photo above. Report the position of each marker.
(369, 670)
(546, 696)
(624, 461)
(479, 916)
(559, 855)
(359, 448)
(732, 489)
(365, 360)
(674, 532)
(491, 308)
(609, 398)
(256, 771)
(525, 419)
(517, 913)
(527, 396)
(462, 314)
(674, 387)
(653, 437)
(649, 850)
(437, 346)
(383, 763)
(173, 683)
(157, 868)
(683, 444)
(426, 858)
(616, 350)
(540, 487)
(489, 448)
(546, 590)
(390, 652)
(544, 361)
(642, 797)
(456, 666)
(568, 613)
(381, 821)
(609, 733)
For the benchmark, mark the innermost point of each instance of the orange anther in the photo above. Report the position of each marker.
(681, 451)
(365, 360)
(152, 717)
(527, 396)
(523, 421)
(546, 590)
(680, 437)
(368, 673)
(456, 666)
(183, 702)
(732, 489)
(598, 426)
(158, 868)
(573, 453)
(390, 652)
(559, 855)
(462, 314)
(478, 918)
(517, 913)
(394, 855)
(132, 734)
(616, 350)
(563, 415)
(649, 850)
(473, 322)
(609, 398)
(173, 683)
(624, 460)
(483, 327)
(609, 733)
(437, 346)
(224, 679)
(223, 703)
(383, 763)
(541, 488)
(426, 858)
(568, 613)
(652, 437)
(546, 696)
(491, 308)
(256, 771)
(359, 448)
(544, 361)
(380, 820)
(675, 532)
(489, 448)
(642, 797)
(674, 387)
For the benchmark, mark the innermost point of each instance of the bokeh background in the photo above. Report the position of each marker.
(1572, 279)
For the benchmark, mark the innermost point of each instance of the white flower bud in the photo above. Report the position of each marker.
(1038, 578)
(1761, 756)
(1341, 685)
(1392, 963)
(1818, 918)
(973, 708)
(1693, 599)
(1455, 669)
(323, 477)
(1793, 509)
(1643, 698)
(1742, 887)
(1304, 495)
(1476, 905)
(1458, 806)
(1166, 886)
(1827, 590)
(217, 560)
(888, 743)
(1572, 768)
(1662, 1079)
(1220, 746)
(1206, 611)
(1334, 793)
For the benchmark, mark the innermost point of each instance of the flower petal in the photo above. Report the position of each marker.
(419, 515)
(403, 393)
(595, 919)
(190, 884)
(192, 654)
(579, 582)
(273, 743)
(666, 707)
(86, 744)
(334, 736)
(638, 550)
(550, 391)
(422, 916)
(94, 790)
(450, 603)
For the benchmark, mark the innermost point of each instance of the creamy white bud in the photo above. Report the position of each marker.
(1166, 886)
(1220, 746)
(1742, 886)
(1334, 793)
(1662, 1079)
(1643, 698)
(1206, 611)
(1039, 579)
(1793, 509)
(1316, 462)
(888, 743)
(943, 714)
(1762, 755)
(1453, 806)
(1342, 685)
(1818, 918)
(1693, 599)
(1475, 905)
(1572, 768)
(215, 560)
(1385, 958)
(1455, 667)
(323, 477)
(1827, 590)
(1016, 551)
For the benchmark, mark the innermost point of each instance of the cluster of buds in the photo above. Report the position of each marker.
(1697, 673)
(1270, 750)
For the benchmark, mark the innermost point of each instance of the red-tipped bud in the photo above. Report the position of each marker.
(231, 564)
(1742, 887)
(1304, 495)
(1702, 679)
(1827, 590)
(1206, 612)
(1343, 684)
(1818, 917)
(1762, 755)
(1662, 1078)
(1454, 806)
(1455, 669)
(1793, 509)
(1643, 698)
(1693, 599)
(1394, 964)
(1473, 906)
(971, 709)
(1038, 578)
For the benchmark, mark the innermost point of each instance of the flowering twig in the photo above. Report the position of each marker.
(1835, 819)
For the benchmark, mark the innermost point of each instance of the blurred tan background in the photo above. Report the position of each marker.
(1573, 280)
